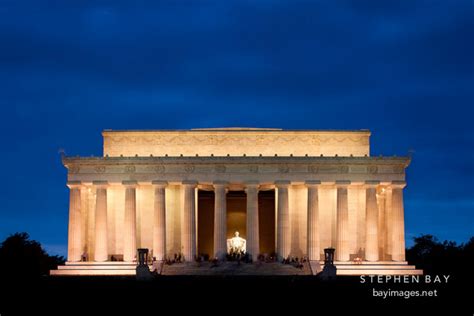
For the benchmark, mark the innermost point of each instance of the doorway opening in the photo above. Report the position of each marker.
(236, 219)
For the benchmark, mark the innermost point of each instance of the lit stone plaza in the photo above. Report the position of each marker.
(288, 194)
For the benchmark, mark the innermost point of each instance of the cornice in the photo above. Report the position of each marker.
(237, 160)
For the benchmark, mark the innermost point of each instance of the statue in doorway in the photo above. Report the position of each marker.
(236, 244)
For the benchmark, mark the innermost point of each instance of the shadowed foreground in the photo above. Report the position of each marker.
(205, 293)
(24, 290)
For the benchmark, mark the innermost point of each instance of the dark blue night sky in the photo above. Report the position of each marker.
(403, 69)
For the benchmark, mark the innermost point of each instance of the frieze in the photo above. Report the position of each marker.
(329, 169)
(313, 169)
(112, 167)
(248, 139)
(372, 169)
(284, 169)
(99, 169)
(159, 169)
(220, 168)
(253, 168)
(189, 169)
(398, 169)
(130, 169)
(343, 169)
(358, 169)
(74, 169)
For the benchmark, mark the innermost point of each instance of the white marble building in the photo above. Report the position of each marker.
(324, 188)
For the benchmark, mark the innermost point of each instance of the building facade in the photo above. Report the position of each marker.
(288, 192)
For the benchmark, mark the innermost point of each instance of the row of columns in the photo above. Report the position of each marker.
(283, 240)
(220, 219)
(129, 228)
(394, 230)
(253, 234)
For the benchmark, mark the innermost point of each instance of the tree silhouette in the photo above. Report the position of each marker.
(21, 257)
(436, 257)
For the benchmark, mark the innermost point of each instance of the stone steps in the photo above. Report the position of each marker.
(376, 268)
(232, 268)
(369, 268)
(96, 268)
(75, 272)
(379, 271)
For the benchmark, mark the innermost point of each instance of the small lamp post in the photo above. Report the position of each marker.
(329, 270)
(143, 271)
(329, 256)
(142, 256)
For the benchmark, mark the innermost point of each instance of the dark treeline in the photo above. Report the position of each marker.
(21, 257)
(436, 257)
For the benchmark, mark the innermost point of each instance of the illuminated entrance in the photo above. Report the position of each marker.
(236, 219)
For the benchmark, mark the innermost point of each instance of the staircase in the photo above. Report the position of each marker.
(233, 268)
(376, 268)
(96, 268)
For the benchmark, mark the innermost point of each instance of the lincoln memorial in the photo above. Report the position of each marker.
(272, 192)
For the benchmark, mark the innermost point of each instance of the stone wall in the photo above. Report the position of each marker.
(236, 143)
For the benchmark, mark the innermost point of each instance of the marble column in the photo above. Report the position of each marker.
(371, 235)
(388, 222)
(253, 232)
(130, 221)
(189, 221)
(313, 221)
(398, 222)
(283, 221)
(101, 251)
(220, 219)
(74, 251)
(159, 220)
(382, 234)
(342, 222)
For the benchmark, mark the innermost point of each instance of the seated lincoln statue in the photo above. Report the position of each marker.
(236, 244)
